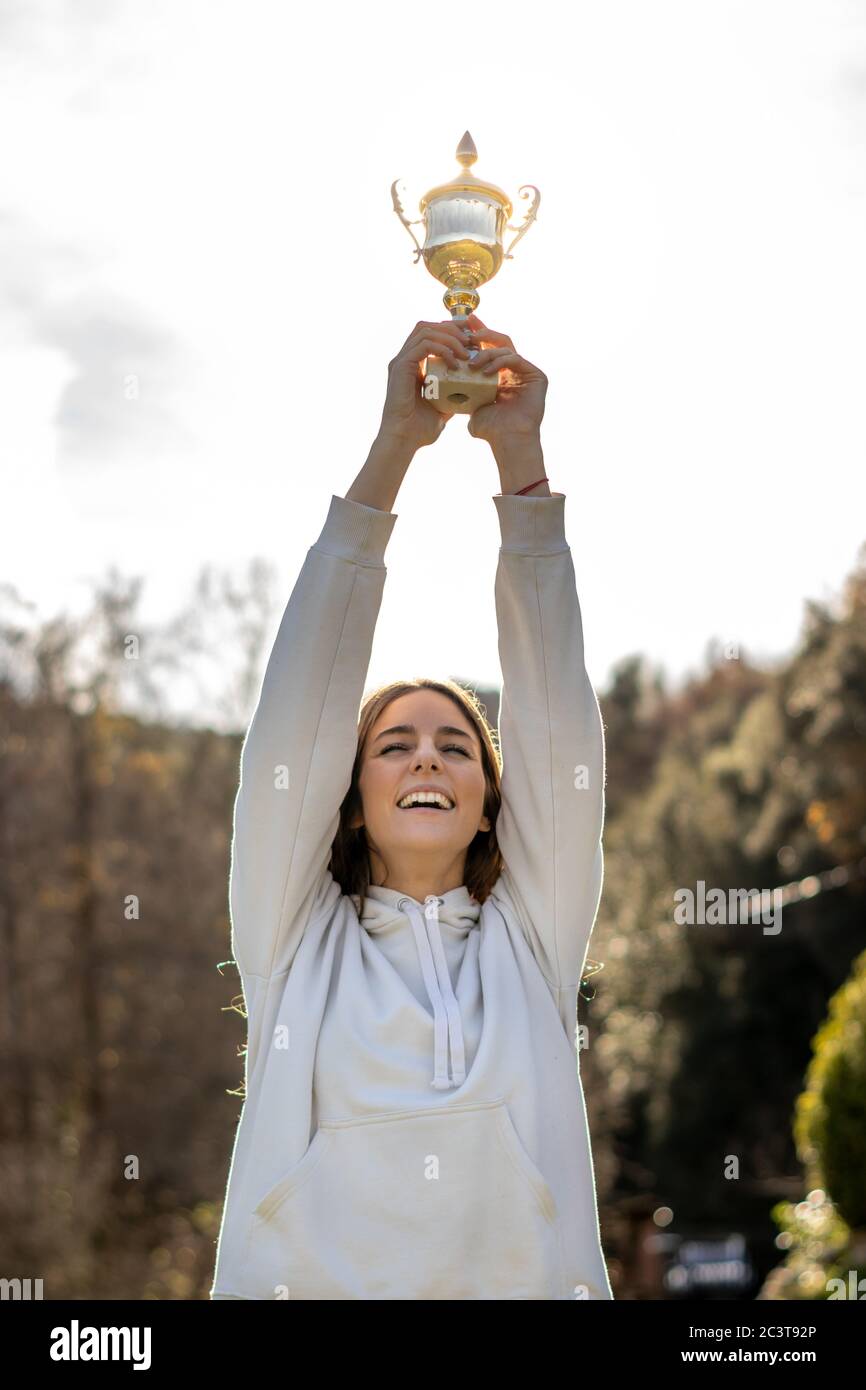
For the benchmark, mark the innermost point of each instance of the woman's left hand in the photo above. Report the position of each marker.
(519, 406)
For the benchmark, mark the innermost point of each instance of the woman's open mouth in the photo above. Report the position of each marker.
(426, 801)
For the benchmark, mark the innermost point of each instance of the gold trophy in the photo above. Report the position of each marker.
(464, 221)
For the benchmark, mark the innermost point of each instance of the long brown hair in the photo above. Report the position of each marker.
(350, 856)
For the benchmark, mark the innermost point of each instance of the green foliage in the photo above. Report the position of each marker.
(830, 1122)
(816, 1239)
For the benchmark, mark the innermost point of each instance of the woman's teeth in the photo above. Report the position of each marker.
(425, 801)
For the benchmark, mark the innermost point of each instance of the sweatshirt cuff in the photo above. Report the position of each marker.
(355, 532)
(532, 525)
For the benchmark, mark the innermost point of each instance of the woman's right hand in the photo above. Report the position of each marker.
(407, 417)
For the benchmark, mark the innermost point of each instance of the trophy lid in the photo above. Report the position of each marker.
(466, 181)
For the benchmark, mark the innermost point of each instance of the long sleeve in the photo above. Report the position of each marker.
(552, 740)
(296, 760)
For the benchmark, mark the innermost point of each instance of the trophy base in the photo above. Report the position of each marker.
(456, 390)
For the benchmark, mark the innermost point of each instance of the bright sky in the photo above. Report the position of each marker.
(202, 281)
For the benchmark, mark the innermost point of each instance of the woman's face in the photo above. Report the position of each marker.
(442, 750)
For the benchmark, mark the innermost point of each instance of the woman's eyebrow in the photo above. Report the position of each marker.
(411, 729)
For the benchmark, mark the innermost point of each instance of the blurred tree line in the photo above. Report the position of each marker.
(700, 1035)
(121, 1032)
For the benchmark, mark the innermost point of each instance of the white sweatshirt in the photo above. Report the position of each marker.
(414, 1124)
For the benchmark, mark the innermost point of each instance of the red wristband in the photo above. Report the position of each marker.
(530, 487)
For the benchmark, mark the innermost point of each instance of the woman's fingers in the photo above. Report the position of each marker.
(495, 358)
(454, 353)
(440, 345)
(489, 335)
(453, 340)
(447, 331)
(446, 335)
(481, 333)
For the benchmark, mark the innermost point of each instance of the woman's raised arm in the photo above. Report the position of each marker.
(297, 757)
(550, 822)
(551, 735)
(409, 422)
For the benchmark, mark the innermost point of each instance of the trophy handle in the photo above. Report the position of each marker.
(398, 208)
(527, 221)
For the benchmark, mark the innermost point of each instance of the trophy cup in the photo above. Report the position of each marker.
(464, 222)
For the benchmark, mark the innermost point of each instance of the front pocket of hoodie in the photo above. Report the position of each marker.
(441, 1203)
(293, 1179)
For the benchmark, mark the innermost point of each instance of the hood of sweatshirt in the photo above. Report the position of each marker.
(426, 942)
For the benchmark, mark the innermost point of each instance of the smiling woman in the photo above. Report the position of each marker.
(405, 745)
(410, 914)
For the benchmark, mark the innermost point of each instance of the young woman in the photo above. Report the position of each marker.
(411, 926)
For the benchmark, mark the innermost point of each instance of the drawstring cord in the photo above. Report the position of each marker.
(447, 1026)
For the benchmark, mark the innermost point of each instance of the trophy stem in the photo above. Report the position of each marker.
(460, 303)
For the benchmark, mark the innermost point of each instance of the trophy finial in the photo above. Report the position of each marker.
(466, 151)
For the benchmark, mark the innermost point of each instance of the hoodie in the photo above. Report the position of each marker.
(414, 1124)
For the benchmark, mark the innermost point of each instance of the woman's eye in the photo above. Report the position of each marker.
(449, 747)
